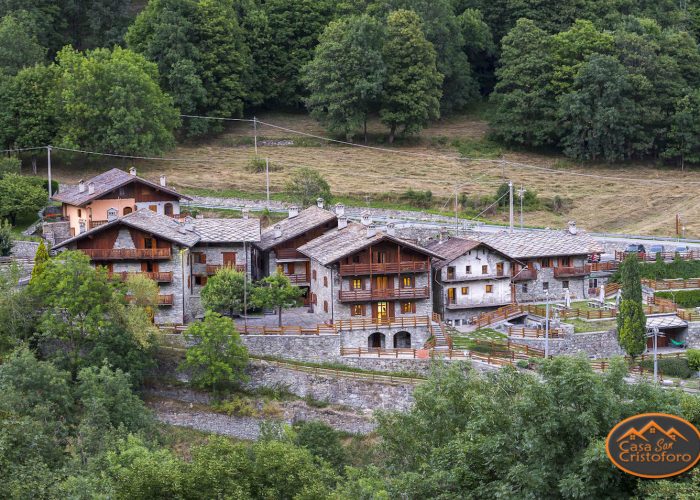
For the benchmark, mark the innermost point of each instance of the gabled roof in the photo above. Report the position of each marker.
(187, 234)
(454, 248)
(549, 243)
(104, 183)
(226, 230)
(292, 227)
(338, 243)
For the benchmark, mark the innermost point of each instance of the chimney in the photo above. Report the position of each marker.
(132, 170)
(342, 222)
(246, 213)
(339, 209)
(391, 229)
(81, 186)
(112, 214)
(572, 227)
(91, 188)
(319, 202)
(444, 235)
(162, 180)
(199, 216)
(371, 231)
(366, 219)
(278, 231)
(293, 211)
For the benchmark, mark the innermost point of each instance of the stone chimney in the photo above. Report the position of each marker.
(572, 227)
(342, 222)
(444, 235)
(132, 170)
(366, 219)
(81, 186)
(162, 180)
(293, 211)
(278, 231)
(112, 214)
(371, 231)
(91, 188)
(246, 213)
(319, 202)
(339, 209)
(391, 229)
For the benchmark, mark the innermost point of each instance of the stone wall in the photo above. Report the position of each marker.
(56, 232)
(24, 249)
(593, 344)
(315, 348)
(359, 338)
(692, 336)
(357, 393)
(578, 286)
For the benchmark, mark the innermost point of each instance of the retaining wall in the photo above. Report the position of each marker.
(593, 344)
(316, 348)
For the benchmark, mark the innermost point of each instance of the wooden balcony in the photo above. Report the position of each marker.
(384, 294)
(526, 275)
(571, 272)
(418, 266)
(482, 302)
(165, 277)
(289, 254)
(96, 223)
(127, 253)
(214, 268)
(297, 279)
(163, 300)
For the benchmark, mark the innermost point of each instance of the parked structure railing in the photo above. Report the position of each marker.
(127, 253)
(384, 293)
(651, 257)
(672, 284)
(385, 268)
(533, 333)
(160, 277)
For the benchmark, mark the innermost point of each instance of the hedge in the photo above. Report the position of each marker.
(684, 298)
(670, 367)
(677, 269)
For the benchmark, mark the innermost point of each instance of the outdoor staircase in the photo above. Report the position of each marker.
(441, 341)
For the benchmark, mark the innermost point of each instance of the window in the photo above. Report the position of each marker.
(200, 280)
(565, 261)
(489, 288)
(313, 274)
(545, 285)
(356, 259)
(80, 213)
(325, 281)
(468, 269)
(148, 243)
(407, 281)
(127, 210)
(408, 307)
(450, 273)
(380, 257)
(465, 290)
(484, 269)
(325, 306)
(565, 284)
(168, 209)
(357, 284)
(451, 295)
(524, 288)
(199, 257)
(358, 310)
(546, 262)
(314, 298)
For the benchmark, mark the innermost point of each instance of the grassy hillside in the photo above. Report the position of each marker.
(429, 162)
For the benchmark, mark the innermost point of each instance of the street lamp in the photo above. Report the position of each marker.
(654, 333)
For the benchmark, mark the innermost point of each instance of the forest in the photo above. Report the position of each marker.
(595, 80)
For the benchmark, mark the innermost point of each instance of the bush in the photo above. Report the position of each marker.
(670, 367)
(685, 298)
(6, 238)
(694, 359)
(237, 406)
(422, 199)
(257, 166)
(521, 363)
(678, 269)
(478, 148)
(321, 440)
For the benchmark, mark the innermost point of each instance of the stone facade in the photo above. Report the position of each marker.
(534, 290)
(393, 337)
(593, 344)
(55, 232)
(692, 336)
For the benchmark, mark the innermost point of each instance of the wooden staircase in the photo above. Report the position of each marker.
(501, 314)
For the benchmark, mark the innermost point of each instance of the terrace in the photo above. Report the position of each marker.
(418, 266)
(127, 253)
(384, 294)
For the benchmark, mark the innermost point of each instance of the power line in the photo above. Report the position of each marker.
(218, 118)
(22, 149)
(116, 155)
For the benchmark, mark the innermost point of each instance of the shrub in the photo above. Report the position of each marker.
(684, 298)
(257, 164)
(272, 409)
(521, 363)
(321, 440)
(670, 367)
(6, 238)
(237, 406)
(694, 359)
(478, 148)
(422, 199)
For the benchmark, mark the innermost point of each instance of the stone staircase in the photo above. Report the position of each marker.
(441, 340)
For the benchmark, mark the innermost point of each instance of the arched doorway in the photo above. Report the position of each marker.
(402, 340)
(168, 209)
(376, 341)
(127, 210)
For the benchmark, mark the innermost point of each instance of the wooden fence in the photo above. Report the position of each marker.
(533, 333)
(651, 257)
(373, 324)
(675, 284)
(500, 314)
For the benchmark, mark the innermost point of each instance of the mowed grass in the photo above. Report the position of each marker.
(428, 162)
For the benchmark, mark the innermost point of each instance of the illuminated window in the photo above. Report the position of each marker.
(465, 290)
(408, 307)
(484, 269)
(357, 284)
(489, 288)
(358, 310)
(408, 281)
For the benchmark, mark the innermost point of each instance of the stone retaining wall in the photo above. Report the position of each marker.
(315, 348)
(593, 344)
(692, 336)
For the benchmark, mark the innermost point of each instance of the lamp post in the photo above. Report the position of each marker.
(653, 332)
(512, 283)
(546, 326)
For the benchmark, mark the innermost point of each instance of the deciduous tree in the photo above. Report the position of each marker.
(225, 291)
(20, 195)
(276, 292)
(306, 185)
(18, 47)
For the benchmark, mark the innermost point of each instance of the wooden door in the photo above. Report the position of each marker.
(380, 311)
(229, 259)
(381, 282)
(499, 268)
(451, 295)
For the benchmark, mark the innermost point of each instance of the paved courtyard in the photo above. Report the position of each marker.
(297, 316)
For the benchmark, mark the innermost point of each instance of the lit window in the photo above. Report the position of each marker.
(358, 310)
(489, 288)
(408, 307)
(484, 269)
(465, 290)
(357, 284)
(408, 282)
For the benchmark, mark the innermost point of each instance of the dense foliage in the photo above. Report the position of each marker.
(684, 298)
(631, 321)
(677, 269)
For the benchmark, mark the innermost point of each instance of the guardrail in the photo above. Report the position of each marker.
(161, 277)
(500, 314)
(214, 268)
(651, 257)
(565, 272)
(127, 253)
(371, 324)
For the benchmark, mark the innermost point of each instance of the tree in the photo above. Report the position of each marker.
(321, 440)
(525, 101)
(631, 321)
(684, 134)
(225, 291)
(217, 356)
(18, 47)
(111, 102)
(41, 260)
(346, 75)
(9, 165)
(6, 238)
(306, 185)
(412, 92)
(276, 291)
(599, 118)
(21, 196)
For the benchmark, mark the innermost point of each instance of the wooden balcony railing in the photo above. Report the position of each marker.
(651, 256)
(126, 253)
(418, 266)
(374, 323)
(97, 223)
(164, 277)
(525, 275)
(165, 300)
(298, 278)
(384, 294)
(481, 302)
(214, 268)
(570, 272)
(289, 253)
(602, 266)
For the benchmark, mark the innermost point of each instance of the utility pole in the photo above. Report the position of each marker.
(255, 135)
(456, 216)
(245, 288)
(546, 327)
(267, 181)
(510, 195)
(521, 193)
(48, 158)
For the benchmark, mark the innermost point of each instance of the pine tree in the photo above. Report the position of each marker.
(631, 321)
(412, 91)
(40, 259)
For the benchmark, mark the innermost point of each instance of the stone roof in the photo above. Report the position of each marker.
(227, 230)
(187, 233)
(104, 183)
(295, 226)
(454, 248)
(548, 243)
(338, 243)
